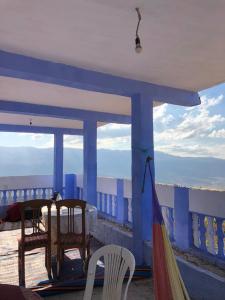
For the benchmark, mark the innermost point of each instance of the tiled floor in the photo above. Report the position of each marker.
(141, 289)
(35, 271)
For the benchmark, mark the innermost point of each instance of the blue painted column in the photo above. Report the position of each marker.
(142, 146)
(58, 162)
(71, 186)
(181, 217)
(90, 162)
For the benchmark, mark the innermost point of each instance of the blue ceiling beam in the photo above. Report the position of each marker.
(24, 67)
(39, 129)
(60, 112)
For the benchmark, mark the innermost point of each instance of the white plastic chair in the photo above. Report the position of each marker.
(117, 261)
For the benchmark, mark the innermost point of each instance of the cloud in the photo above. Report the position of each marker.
(217, 133)
(72, 141)
(161, 116)
(185, 150)
(209, 102)
(114, 130)
(160, 111)
(116, 143)
(198, 123)
(192, 135)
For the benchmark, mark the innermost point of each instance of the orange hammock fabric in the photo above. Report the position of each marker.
(168, 284)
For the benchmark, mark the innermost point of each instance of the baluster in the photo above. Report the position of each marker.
(202, 232)
(101, 202)
(210, 235)
(43, 193)
(10, 197)
(126, 214)
(130, 217)
(106, 203)
(164, 210)
(110, 204)
(50, 193)
(34, 193)
(14, 196)
(39, 193)
(20, 195)
(98, 201)
(166, 216)
(30, 194)
(220, 235)
(171, 223)
(47, 193)
(114, 198)
(196, 231)
(25, 194)
(1, 197)
(4, 198)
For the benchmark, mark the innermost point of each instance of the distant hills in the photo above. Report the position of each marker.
(187, 171)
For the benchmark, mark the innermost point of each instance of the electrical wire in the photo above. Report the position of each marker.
(139, 20)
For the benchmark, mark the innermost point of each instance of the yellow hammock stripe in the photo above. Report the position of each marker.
(177, 285)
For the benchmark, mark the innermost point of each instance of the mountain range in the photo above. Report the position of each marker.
(204, 172)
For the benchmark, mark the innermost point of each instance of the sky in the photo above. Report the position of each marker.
(181, 131)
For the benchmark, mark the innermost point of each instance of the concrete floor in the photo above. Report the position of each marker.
(138, 290)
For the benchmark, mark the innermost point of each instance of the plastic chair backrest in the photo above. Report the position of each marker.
(117, 261)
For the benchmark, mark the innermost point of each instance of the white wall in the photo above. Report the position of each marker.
(207, 202)
(21, 182)
(165, 194)
(107, 185)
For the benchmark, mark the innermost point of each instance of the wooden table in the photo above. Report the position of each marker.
(11, 292)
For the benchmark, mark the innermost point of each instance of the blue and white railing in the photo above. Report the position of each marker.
(209, 234)
(194, 218)
(8, 197)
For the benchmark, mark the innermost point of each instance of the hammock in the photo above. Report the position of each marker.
(168, 283)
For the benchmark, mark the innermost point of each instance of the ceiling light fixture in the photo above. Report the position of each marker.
(138, 47)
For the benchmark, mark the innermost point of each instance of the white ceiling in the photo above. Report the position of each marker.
(27, 91)
(183, 41)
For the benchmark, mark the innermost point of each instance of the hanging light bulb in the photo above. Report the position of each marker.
(138, 47)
